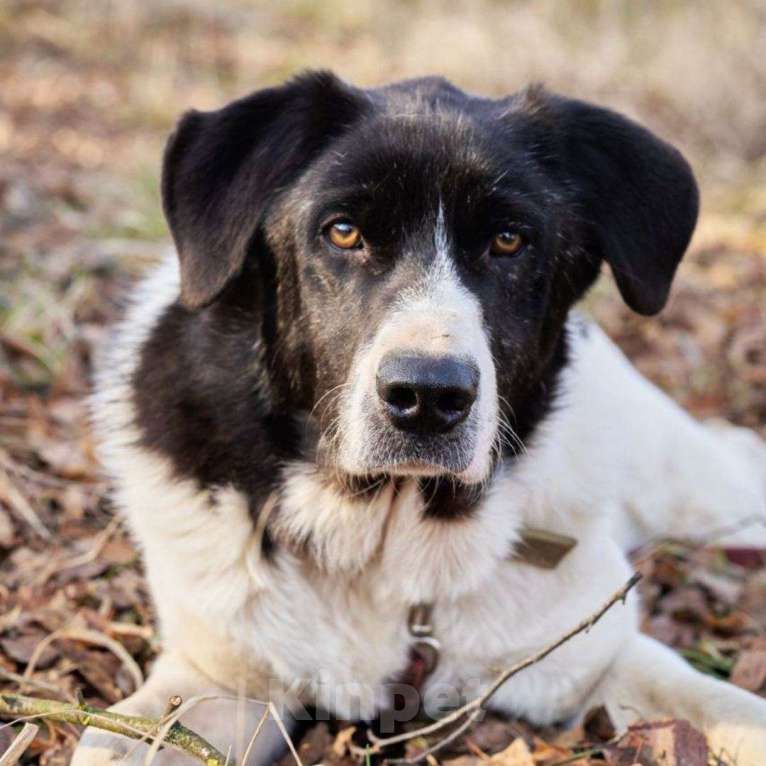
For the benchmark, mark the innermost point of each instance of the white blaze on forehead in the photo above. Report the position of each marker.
(436, 316)
(441, 238)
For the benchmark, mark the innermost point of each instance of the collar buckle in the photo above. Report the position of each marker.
(425, 649)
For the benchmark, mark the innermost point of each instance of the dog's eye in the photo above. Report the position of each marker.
(507, 242)
(344, 235)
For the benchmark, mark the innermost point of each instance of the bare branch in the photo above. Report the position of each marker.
(167, 731)
(178, 736)
(19, 745)
(472, 709)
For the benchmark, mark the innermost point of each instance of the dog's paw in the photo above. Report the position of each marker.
(99, 748)
(739, 743)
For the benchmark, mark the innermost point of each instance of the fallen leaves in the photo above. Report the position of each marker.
(661, 743)
(7, 530)
(708, 347)
(13, 498)
(64, 567)
(749, 671)
(712, 609)
(516, 754)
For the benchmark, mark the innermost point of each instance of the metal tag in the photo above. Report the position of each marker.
(543, 549)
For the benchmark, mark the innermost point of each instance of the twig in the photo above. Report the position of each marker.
(129, 629)
(32, 683)
(25, 472)
(166, 722)
(251, 743)
(174, 703)
(16, 501)
(444, 741)
(178, 737)
(172, 713)
(694, 543)
(94, 551)
(19, 745)
(89, 637)
(473, 708)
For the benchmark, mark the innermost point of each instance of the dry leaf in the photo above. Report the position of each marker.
(493, 734)
(463, 760)
(661, 743)
(314, 744)
(7, 530)
(749, 672)
(119, 551)
(726, 589)
(20, 648)
(99, 669)
(546, 752)
(342, 741)
(7, 736)
(66, 459)
(516, 754)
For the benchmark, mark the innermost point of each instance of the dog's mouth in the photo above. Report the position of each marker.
(461, 455)
(402, 454)
(416, 468)
(382, 450)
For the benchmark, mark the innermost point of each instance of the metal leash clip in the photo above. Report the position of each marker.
(425, 649)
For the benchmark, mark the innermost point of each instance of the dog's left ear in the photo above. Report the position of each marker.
(637, 197)
(223, 168)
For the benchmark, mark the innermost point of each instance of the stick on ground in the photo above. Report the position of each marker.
(135, 727)
(19, 745)
(180, 738)
(471, 710)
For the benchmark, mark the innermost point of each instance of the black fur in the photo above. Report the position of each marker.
(239, 376)
(222, 168)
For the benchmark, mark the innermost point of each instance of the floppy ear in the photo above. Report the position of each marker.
(222, 169)
(637, 195)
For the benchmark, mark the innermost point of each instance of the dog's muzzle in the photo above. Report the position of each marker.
(422, 395)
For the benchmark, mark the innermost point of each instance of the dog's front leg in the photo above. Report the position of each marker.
(225, 720)
(650, 681)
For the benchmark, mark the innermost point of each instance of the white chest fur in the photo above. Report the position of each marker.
(330, 626)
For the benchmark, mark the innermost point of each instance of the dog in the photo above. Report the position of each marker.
(356, 420)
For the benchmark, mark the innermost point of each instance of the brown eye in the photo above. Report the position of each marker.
(507, 243)
(344, 235)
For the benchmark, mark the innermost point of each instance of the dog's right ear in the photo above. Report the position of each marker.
(222, 168)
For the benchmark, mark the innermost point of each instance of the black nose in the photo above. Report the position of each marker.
(426, 394)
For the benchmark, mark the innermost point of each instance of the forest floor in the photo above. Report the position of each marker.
(82, 117)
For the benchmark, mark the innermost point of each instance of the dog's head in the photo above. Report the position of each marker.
(407, 255)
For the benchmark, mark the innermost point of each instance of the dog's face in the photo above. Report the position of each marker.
(417, 251)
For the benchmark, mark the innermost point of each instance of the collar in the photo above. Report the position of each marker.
(541, 548)
(535, 547)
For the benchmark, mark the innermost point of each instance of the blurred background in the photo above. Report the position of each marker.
(89, 90)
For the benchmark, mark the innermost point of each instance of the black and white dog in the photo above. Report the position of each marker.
(359, 389)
